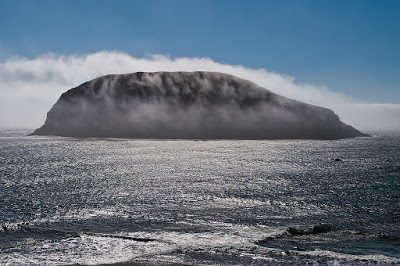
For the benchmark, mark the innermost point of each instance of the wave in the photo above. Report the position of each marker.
(349, 258)
(225, 242)
(16, 227)
(323, 242)
(326, 228)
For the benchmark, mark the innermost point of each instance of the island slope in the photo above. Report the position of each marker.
(189, 105)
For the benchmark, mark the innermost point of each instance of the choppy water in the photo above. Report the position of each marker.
(98, 201)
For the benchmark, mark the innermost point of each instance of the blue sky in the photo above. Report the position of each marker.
(351, 46)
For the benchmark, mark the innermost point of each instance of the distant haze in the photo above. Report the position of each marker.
(29, 87)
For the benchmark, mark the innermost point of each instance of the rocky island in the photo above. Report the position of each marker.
(187, 105)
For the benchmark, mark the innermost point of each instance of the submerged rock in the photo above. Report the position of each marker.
(308, 230)
(194, 105)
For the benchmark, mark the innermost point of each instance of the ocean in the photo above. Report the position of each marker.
(68, 201)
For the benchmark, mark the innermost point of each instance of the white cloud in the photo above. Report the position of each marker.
(29, 87)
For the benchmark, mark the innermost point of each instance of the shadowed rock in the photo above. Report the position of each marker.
(194, 105)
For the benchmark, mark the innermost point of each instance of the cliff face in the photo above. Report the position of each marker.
(187, 105)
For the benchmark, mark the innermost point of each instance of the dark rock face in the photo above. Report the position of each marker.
(194, 105)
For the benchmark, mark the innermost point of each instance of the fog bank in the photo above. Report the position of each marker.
(29, 87)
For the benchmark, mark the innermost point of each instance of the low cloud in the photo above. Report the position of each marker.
(29, 87)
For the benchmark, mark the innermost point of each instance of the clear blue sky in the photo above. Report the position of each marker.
(351, 46)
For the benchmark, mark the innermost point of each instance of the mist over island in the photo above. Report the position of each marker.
(187, 105)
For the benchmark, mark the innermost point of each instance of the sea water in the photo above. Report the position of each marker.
(276, 202)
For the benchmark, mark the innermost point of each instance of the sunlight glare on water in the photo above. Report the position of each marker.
(94, 201)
